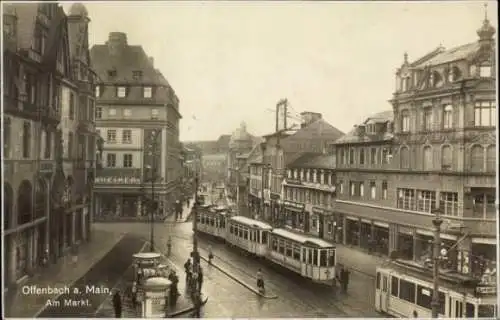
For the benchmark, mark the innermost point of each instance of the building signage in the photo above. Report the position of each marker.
(486, 290)
(117, 180)
(293, 181)
(295, 205)
(318, 210)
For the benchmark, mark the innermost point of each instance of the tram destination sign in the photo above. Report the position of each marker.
(117, 180)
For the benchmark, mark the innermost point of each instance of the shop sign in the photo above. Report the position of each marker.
(275, 196)
(486, 290)
(293, 181)
(295, 205)
(117, 180)
(318, 210)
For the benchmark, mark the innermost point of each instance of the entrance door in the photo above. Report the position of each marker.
(455, 308)
(384, 292)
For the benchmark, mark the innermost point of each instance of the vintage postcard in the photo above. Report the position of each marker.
(249, 159)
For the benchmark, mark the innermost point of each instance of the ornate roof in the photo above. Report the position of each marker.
(78, 9)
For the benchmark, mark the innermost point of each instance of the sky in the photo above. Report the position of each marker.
(232, 61)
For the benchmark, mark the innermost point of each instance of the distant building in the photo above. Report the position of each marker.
(138, 116)
(213, 157)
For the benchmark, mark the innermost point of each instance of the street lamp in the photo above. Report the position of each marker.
(436, 257)
(195, 254)
(152, 167)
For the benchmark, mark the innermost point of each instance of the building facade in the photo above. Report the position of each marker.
(43, 213)
(436, 158)
(137, 115)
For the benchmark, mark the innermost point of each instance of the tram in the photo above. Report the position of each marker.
(212, 221)
(312, 258)
(248, 234)
(404, 294)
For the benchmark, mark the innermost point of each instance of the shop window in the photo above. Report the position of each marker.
(469, 310)
(394, 286)
(406, 291)
(486, 311)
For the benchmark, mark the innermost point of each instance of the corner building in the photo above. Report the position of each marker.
(137, 115)
(437, 157)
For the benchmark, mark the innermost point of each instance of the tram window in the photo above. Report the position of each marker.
(281, 247)
(223, 223)
(442, 303)
(264, 237)
(323, 258)
(394, 286)
(378, 280)
(469, 310)
(296, 253)
(304, 255)
(245, 234)
(275, 245)
(331, 258)
(288, 250)
(424, 297)
(240, 233)
(310, 256)
(198, 218)
(212, 222)
(231, 230)
(407, 291)
(486, 311)
(315, 257)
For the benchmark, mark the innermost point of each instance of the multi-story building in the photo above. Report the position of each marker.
(137, 114)
(438, 158)
(192, 168)
(309, 193)
(41, 215)
(284, 147)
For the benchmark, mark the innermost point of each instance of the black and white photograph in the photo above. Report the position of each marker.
(249, 159)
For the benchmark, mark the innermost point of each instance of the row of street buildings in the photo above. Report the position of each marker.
(87, 133)
(378, 187)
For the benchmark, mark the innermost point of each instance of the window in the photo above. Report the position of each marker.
(70, 145)
(384, 190)
(341, 156)
(111, 74)
(121, 92)
(394, 286)
(351, 156)
(148, 92)
(448, 116)
(6, 137)
(136, 75)
(127, 160)
(341, 187)
(362, 156)
(404, 155)
(491, 159)
(485, 71)
(406, 291)
(361, 189)
(424, 297)
(446, 158)
(48, 145)
(329, 227)
(111, 136)
(477, 158)
(111, 160)
(426, 200)
(112, 112)
(427, 125)
(449, 203)
(71, 106)
(97, 91)
(127, 136)
(386, 155)
(98, 113)
(373, 190)
(154, 113)
(484, 114)
(26, 140)
(406, 199)
(405, 121)
(427, 158)
(352, 187)
(373, 155)
(127, 113)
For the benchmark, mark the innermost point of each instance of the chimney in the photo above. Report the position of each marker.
(361, 130)
(116, 42)
(309, 117)
(152, 61)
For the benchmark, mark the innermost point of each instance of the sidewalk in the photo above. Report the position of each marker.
(63, 273)
(186, 213)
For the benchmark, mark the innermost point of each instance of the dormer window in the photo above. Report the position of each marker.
(148, 92)
(485, 71)
(435, 79)
(111, 74)
(454, 74)
(121, 92)
(137, 75)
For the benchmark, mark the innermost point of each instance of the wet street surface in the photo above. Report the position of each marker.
(297, 297)
(90, 291)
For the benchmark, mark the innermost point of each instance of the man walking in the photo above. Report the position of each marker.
(117, 304)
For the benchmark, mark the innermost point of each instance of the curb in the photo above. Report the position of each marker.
(244, 284)
(185, 310)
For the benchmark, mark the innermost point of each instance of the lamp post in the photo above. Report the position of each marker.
(195, 254)
(436, 259)
(152, 167)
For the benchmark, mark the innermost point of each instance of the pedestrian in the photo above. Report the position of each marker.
(187, 269)
(134, 295)
(200, 278)
(345, 281)
(174, 291)
(210, 254)
(194, 279)
(197, 305)
(117, 304)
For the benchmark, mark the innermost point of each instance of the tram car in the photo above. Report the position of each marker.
(212, 221)
(248, 234)
(310, 257)
(405, 294)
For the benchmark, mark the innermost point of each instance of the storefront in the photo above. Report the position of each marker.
(294, 215)
(276, 209)
(352, 231)
(381, 237)
(405, 243)
(318, 221)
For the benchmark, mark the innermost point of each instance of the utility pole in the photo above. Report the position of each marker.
(237, 190)
(154, 138)
(436, 257)
(283, 103)
(195, 254)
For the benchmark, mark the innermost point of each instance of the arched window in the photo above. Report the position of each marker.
(427, 158)
(446, 158)
(7, 204)
(491, 159)
(362, 156)
(405, 121)
(404, 157)
(24, 203)
(448, 116)
(435, 79)
(456, 73)
(477, 158)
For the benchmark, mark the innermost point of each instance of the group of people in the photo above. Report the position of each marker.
(178, 207)
(194, 275)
